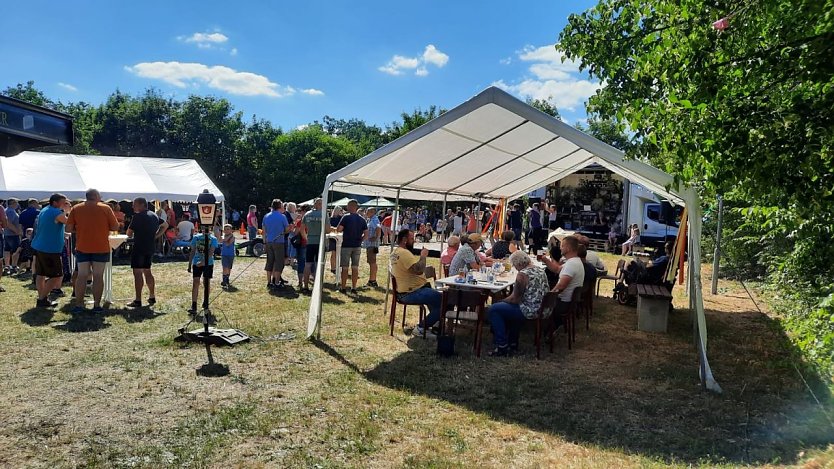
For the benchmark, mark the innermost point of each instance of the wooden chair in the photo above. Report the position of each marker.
(586, 303)
(548, 304)
(444, 269)
(615, 277)
(395, 301)
(465, 305)
(568, 319)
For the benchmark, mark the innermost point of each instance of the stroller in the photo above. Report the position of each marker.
(625, 291)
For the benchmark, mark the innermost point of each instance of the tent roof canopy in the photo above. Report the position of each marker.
(39, 175)
(489, 147)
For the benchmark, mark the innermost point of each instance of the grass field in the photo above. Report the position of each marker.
(117, 391)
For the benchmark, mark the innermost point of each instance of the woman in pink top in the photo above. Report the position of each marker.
(252, 226)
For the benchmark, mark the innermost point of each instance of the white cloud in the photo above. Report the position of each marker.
(182, 74)
(206, 38)
(313, 92)
(552, 80)
(67, 86)
(233, 51)
(433, 56)
(506, 61)
(399, 64)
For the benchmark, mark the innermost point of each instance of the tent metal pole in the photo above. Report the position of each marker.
(442, 237)
(716, 259)
(394, 219)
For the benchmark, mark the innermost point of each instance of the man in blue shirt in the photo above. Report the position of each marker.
(372, 245)
(275, 228)
(28, 216)
(354, 229)
(11, 236)
(48, 245)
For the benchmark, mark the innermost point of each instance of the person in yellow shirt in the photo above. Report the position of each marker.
(412, 286)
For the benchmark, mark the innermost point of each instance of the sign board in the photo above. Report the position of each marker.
(22, 120)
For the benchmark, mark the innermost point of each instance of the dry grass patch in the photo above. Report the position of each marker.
(117, 391)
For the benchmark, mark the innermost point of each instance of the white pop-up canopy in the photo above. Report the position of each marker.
(495, 146)
(38, 175)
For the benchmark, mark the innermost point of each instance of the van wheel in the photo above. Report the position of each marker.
(258, 249)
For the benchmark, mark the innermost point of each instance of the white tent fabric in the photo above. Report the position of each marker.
(495, 146)
(38, 175)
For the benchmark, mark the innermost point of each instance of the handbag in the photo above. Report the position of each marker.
(296, 241)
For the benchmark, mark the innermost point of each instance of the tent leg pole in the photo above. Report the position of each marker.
(717, 257)
(394, 219)
(324, 224)
(442, 237)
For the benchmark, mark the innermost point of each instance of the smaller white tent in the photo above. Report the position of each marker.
(38, 175)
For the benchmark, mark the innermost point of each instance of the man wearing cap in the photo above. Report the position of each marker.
(467, 255)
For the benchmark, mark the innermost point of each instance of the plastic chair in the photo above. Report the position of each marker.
(615, 277)
(395, 301)
(466, 305)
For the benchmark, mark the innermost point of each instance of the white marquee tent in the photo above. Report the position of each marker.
(495, 146)
(38, 175)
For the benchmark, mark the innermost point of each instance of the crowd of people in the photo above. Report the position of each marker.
(36, 240)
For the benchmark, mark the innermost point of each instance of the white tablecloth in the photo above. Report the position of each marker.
(115, 242)
(506, 279)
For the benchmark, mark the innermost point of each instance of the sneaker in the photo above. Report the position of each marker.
(57, 293)
(98, 309)
(45, 303)
(193, 309)
(134, 304)
(353, 291)
(418, 332)
(151, 301)
(373, 283)
(500, 352)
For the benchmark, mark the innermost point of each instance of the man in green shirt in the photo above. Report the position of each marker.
(311, 222)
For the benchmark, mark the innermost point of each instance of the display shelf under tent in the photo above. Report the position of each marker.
(493, 148)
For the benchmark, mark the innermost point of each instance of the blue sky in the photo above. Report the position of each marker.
(294, 62)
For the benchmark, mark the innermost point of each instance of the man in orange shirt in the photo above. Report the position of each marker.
(92, 223)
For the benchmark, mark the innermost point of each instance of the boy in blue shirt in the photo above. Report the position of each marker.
(201, 263)
(227, 253)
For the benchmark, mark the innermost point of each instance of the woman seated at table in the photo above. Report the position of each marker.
(453, 244)
(554, 250)
(504, 247)
(507, 316)
(468, 255)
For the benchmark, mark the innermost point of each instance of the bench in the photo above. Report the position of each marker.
(599, 245)
(652, 307)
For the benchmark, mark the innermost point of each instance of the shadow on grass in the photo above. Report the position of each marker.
(635, 392)
(84, 322)
(37, 317)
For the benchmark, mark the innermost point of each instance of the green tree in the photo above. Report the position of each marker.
(742, 109)
(411, 121)
(608, 131)
(301, 161)
(545, 106)
(136, 125)
(29, 93)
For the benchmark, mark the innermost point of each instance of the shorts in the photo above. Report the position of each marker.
(331, 245)
(140, 261)
(206, 271)
(312, 253)
(275, 255)
(350, 256)
(11, 243)
(49, 265)
(373, 250)
(92, 257)
(227, 261)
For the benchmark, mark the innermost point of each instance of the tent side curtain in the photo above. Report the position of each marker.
(38, 175)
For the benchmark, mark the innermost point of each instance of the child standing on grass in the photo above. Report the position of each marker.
(227, 253)
(25, 253)
(201, 264)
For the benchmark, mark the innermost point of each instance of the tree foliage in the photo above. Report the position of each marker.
(743, 110)
(544, 106)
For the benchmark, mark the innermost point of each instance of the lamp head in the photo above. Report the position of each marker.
(206, 205)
